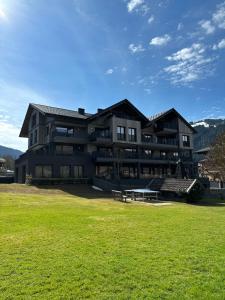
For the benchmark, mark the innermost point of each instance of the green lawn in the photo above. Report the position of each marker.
(61, 245)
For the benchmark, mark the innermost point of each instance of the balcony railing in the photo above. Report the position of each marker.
(147, 140)
(172, 142)
(167, 125)
(159, 141)
(98, 135)
(132, 155)
(82, 134)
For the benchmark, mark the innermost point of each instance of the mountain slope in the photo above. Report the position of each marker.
(9, 151)
(207, 131)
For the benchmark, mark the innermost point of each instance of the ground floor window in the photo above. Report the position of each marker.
(128, 172)
(78, 171)
(104, 171)
(64, 171)
(43, 171)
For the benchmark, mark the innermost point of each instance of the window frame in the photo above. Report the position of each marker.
(79, 168)
(121, 133)
(132, 134)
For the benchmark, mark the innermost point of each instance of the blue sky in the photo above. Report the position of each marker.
(92, 53)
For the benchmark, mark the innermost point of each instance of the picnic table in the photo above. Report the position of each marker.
(142, 194)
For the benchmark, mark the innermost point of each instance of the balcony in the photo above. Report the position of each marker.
(105, 156)
(70, 137)
(169, 142)
(100, 137)
(162, 142)
(166, 128)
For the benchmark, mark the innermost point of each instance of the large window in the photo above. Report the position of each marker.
(64, 171)
(78, 171)
(128, 172)
(64, 131)
(104, 133)
(121, 133)
(64, 149)
(186, 140)
(132, 134)
(43, 171)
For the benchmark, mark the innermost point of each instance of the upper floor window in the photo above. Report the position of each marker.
(47, 130)
(35, 136)
(64, 131)
(186, 140)
(175, 154)
(162, 154)
(132, 134)
(147, 152)
(121, 133)
(64, 149)
(147, 138)
(33, 120)
(104, 133)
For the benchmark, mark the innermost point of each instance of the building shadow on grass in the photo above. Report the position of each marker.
(86, 191)
(78, 190)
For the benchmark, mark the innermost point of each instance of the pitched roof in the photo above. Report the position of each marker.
(44, 109)
(165, 113)
(158, 115)
(118, 104)
(59, 111)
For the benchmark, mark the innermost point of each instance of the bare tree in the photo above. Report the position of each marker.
(215, 160)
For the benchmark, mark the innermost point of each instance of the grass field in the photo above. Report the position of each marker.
(76, 244)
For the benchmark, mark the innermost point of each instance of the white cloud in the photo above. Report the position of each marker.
(220, 45)
(135, 48)
(151, 19)
(160, 40)
(207, 26)
(133, 4)
(190, 64)
(138, 6)
(219, 16)
(109, 71)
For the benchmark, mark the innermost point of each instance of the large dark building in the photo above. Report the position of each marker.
(115, 143)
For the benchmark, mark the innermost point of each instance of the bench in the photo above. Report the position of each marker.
(118, 195)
